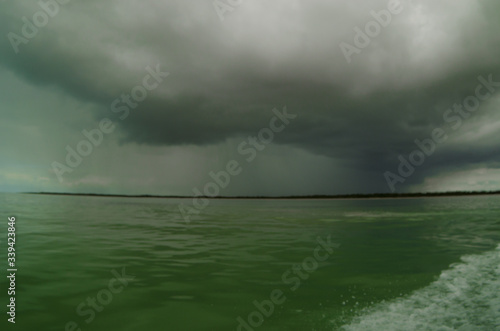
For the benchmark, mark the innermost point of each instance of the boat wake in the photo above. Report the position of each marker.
(465, 297)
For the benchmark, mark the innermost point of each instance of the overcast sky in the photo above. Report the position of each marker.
(358, 110)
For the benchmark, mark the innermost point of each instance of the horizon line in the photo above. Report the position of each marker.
(310, 196)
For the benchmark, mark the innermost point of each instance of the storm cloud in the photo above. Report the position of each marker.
(356, 114)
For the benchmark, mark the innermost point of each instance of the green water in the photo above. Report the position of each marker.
(387, 266)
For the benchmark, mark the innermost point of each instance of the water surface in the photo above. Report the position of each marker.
(396, 264)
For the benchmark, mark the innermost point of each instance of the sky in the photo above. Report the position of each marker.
(259, 97)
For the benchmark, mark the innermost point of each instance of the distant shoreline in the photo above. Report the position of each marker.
(293, 197)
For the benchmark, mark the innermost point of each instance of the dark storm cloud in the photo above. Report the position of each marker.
(226, 77)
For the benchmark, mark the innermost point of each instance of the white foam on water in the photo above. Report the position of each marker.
(465, 297)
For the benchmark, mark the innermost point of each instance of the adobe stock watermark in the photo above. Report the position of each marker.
(292, 277)
(372, 29)
(121, 105)
(224, 7)
(93, 305)
(48, 10)
(454, 117)
(248, 148)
